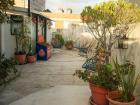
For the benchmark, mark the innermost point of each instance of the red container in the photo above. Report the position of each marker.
(20, 58)
(31, 59)
(99, 94)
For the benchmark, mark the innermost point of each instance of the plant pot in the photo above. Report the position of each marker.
(21, 58)
(31, 58)
(114, 94)
(115, 102)
(69, 46)
(99, 94)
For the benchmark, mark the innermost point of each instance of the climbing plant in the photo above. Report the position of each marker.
(4, 6)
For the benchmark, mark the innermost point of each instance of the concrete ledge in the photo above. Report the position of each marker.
(59, 95)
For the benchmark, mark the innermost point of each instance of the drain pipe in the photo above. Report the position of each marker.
(29, 8)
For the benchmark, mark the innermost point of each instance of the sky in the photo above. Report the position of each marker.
(75, 5)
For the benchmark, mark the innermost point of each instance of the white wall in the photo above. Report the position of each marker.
(8, 41)
(49, 35)
(132, 53)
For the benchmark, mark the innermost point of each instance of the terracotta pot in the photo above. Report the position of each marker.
(114, 94)
(69, 46)
(31, 58)
(20, 58)
(99, 94)
(114, 102)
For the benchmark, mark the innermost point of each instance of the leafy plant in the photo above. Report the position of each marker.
(7, 66)
(127, 79)
(58, 40)
(109, 21)
(107, 78)
(4, 6)
(23, 41)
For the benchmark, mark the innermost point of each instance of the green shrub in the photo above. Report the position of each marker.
(7, 66)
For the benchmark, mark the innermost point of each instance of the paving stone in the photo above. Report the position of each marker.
(44, 74)
(58, 95)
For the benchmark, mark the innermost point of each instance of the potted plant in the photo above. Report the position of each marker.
(30, 55)
(22, 43)
(69, 45)
(126, 76)
(107, 22)
(57, 41)
(100, 82)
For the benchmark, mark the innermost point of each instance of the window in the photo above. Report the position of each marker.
(16, 25)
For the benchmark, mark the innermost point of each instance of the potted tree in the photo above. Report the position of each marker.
(108, 22)
(101, 82)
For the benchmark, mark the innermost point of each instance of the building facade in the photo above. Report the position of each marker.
(37, 25)
(38, 5)
(62, 20)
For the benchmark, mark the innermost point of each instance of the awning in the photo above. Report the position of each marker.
(40, 14)
(24, 12)
(18, 11)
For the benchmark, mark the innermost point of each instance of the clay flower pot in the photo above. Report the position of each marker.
(115, 102)
(21, 58)
(99, 94)
(69, 45)
(114, 94)
(31, 58)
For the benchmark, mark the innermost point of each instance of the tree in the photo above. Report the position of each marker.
(109, 21)
(4, 6)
